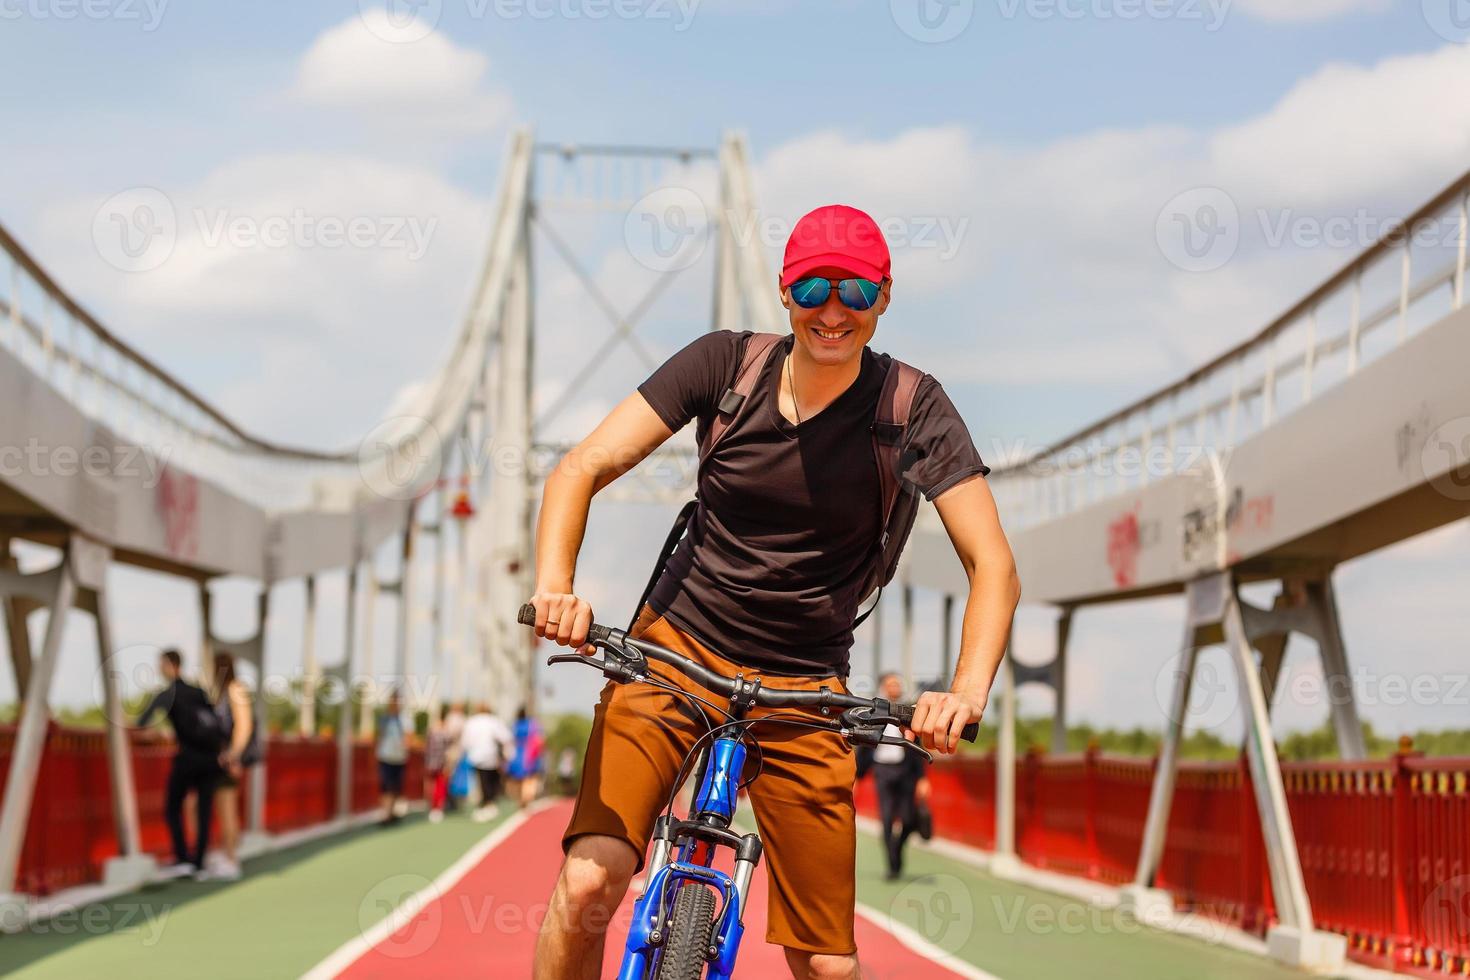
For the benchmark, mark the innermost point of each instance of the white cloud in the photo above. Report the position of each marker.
(431, 82)
(265, 287)
(1059, 276)
(1352, 131)
(1309, 10)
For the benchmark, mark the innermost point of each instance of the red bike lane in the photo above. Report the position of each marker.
(485, 924)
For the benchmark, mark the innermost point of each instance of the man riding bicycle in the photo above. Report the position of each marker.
(767, 581)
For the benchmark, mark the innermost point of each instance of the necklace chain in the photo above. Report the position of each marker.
(791, 380)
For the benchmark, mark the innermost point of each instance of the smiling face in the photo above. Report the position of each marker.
(833, 334)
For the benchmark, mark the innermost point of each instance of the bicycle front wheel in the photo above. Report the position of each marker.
(689, 934)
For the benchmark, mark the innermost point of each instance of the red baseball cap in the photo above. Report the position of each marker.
(838, 236)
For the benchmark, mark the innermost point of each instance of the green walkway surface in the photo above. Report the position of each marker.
(296, 907)
(290, 911)
(1021, 933)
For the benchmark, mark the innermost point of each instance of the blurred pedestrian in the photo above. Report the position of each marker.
(487, 742)
(241, 751)
(392, 753)
(566, 771)
(458, 780)
(526, 764)
(436, 764)
(898, 776)
(195, 765)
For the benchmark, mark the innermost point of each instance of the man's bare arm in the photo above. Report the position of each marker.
(628, 434)
(969, 516)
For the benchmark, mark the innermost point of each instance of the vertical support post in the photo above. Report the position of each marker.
(13, 610)
(1161, 797)
(369, 635)
(255, 822)
(30, 739)
(349, 697)
(907, 640)
(1005, 772)
(1059, 682)
(119, 747)
(508, 558)
(206, 632)
(1340, 695)
(1273, 656)
(310, 673)
(401, 669)
(1287, 884)
(436, 616)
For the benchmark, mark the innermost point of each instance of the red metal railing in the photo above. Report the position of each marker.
(71, 834)
(1385, 845)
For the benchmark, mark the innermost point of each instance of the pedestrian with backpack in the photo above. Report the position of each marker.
(813, 452)
(195, 767)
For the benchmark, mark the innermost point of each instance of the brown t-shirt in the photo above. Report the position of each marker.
(769, 570)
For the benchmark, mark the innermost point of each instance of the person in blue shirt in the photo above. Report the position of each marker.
(527, 765)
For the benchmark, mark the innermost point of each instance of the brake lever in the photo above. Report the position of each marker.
(618, 665)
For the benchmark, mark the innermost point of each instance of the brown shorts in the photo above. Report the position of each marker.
(802, 800)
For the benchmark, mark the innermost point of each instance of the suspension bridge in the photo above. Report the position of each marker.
(1338, 429)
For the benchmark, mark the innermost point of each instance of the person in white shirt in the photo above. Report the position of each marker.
(487, 742)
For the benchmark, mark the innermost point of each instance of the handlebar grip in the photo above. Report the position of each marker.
(595, 633)
(905, 714)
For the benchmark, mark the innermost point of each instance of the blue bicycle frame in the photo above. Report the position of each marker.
(863, 721)
(696, 839)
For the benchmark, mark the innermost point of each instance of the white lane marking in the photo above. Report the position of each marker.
(922, 946)
(353, 950)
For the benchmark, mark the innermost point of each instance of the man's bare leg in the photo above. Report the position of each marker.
(822, 966)
(591, 885)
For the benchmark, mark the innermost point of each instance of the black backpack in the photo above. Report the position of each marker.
(899, 503)
(196, 724)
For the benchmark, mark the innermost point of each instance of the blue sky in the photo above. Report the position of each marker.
(1053, 133)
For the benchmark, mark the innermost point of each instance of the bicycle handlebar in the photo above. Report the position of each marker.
(616, 642)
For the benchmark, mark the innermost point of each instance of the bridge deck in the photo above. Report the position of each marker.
(296, 909)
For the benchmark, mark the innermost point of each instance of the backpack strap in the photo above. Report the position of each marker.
(757, 351)
(890, 427)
